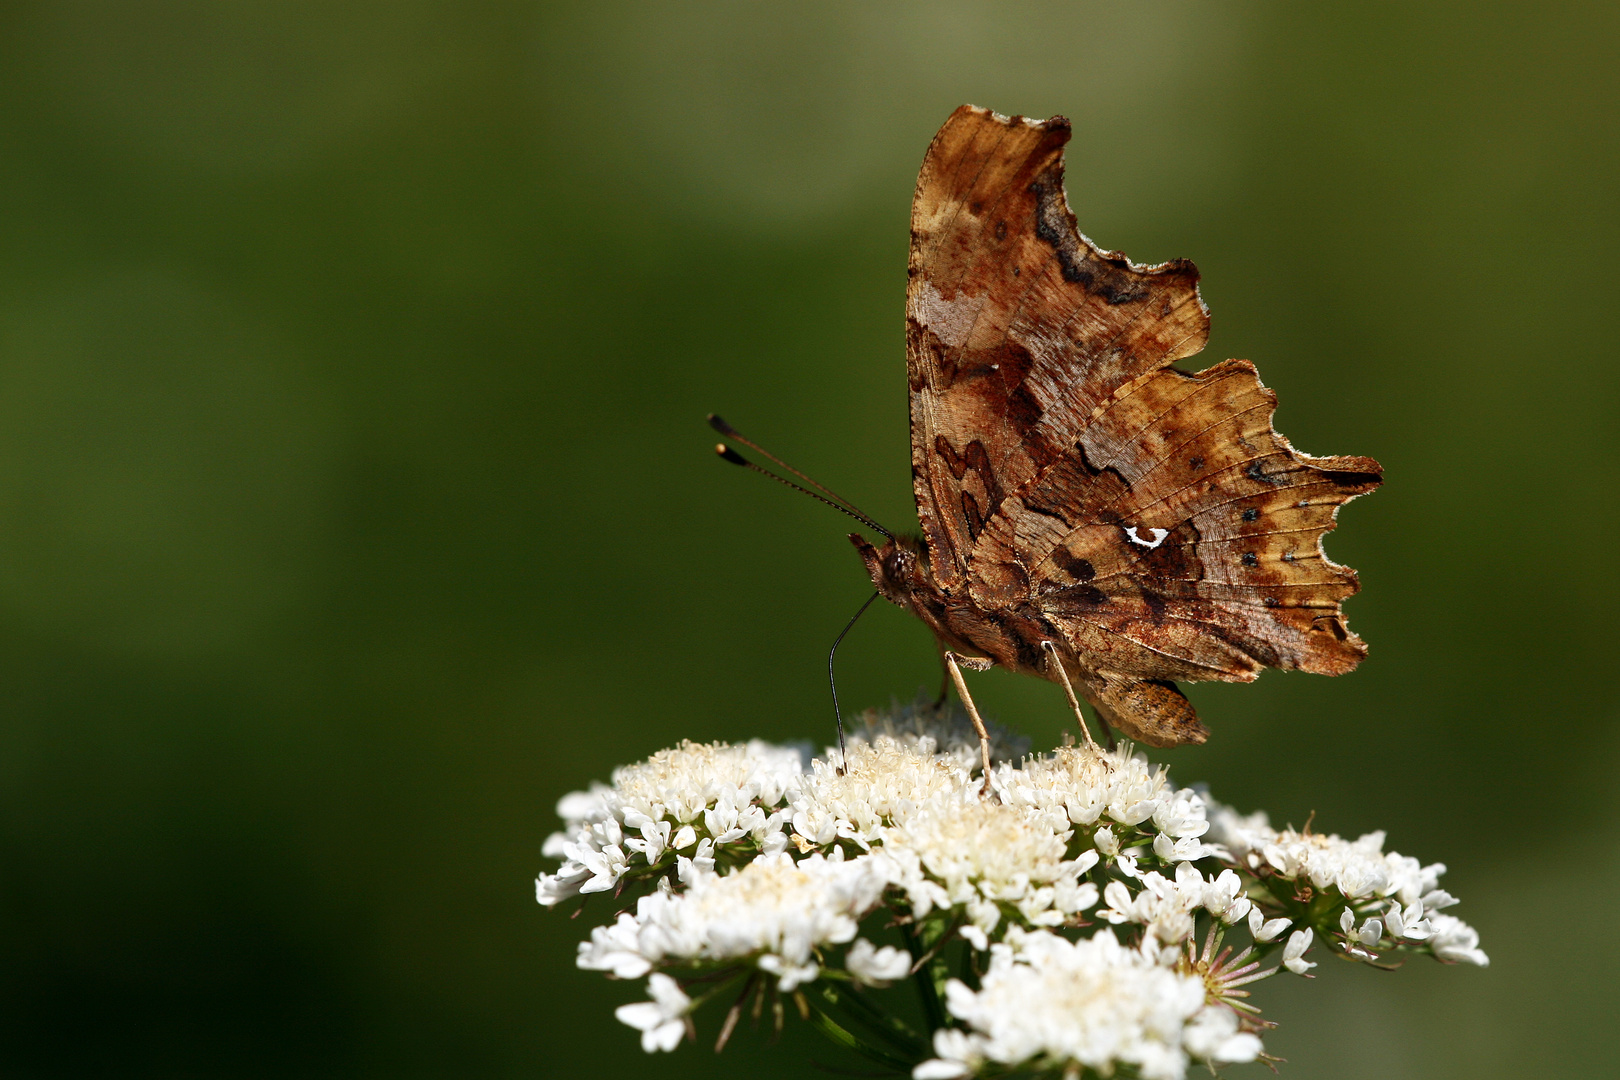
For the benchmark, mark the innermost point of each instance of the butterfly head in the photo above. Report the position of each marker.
(898, 569)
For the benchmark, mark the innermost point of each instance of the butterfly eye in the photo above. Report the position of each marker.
(898, 564)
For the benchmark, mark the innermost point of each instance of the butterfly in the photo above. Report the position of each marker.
(1091, 514)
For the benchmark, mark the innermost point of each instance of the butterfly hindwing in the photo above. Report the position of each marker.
(1198, 532)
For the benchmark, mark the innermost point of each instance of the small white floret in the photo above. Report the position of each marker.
(941, 1069)
(788, 976)
(1264, 929)
(959, 1054)
(1456, 941)
(661, 1021)
(873, 966)
(1294, 952)
(1212, 1035)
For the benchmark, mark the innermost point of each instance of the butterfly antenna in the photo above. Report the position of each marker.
(832, 497)
(737, 459)
(838, 714)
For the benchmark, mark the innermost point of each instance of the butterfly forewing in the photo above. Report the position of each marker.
(1017, 326)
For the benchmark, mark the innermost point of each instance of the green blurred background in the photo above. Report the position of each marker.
(355, 501)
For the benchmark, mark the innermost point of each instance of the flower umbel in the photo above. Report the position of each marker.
(1072, 916)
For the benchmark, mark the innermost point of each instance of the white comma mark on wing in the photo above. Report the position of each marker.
(1158, 537)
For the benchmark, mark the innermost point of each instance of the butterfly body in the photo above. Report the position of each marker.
(1083, 502)
(1008, 636)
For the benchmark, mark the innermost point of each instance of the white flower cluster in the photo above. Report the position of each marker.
(884, 782)
(774, 911)
(1050, 1001)
(751, 865)
(694, 798)
(1086, 787)
(978, 856)
(1390, 900)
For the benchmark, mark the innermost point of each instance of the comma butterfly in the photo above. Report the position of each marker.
(1090, 514)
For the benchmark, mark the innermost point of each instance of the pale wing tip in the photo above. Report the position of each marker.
(980, 114)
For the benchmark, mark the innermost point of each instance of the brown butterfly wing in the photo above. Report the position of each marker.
(1017, 327)
(1183, 539)
(1064, 471)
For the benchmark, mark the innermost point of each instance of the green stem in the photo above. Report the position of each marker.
(843, 1037)
(891, 1029)
(968, 974)
(927, 990)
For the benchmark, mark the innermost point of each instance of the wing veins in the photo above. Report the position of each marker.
(939, 234)
(1148, 647)
(1172, 494)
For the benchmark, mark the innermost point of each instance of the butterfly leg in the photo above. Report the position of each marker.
(944, 680)
(973, 711)
(1068, 690)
